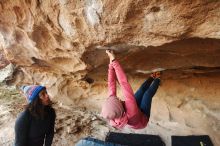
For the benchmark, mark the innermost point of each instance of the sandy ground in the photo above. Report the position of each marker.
(180, 107)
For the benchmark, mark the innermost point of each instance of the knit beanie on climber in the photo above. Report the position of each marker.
(31, 92)
(112, 108)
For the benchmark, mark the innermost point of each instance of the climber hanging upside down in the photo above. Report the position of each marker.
(135, 110)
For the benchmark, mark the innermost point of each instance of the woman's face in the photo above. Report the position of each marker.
(45, 99)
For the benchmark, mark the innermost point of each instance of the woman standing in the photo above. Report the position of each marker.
(35, 125)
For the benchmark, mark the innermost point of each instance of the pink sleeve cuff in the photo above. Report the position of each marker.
(115, 62)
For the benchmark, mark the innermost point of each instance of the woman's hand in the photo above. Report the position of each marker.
(111, 55)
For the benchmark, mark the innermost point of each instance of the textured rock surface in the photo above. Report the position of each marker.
(6, 73)
(60, 44)
(186, 106)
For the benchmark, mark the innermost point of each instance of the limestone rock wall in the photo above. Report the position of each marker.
(59, 43)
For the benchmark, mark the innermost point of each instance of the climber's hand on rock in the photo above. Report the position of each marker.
(111, 55)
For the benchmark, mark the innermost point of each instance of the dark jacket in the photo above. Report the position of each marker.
(30, 131)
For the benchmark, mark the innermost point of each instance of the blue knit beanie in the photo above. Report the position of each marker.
(31, 92)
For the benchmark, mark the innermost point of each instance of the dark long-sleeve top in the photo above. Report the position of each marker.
(30, 131)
